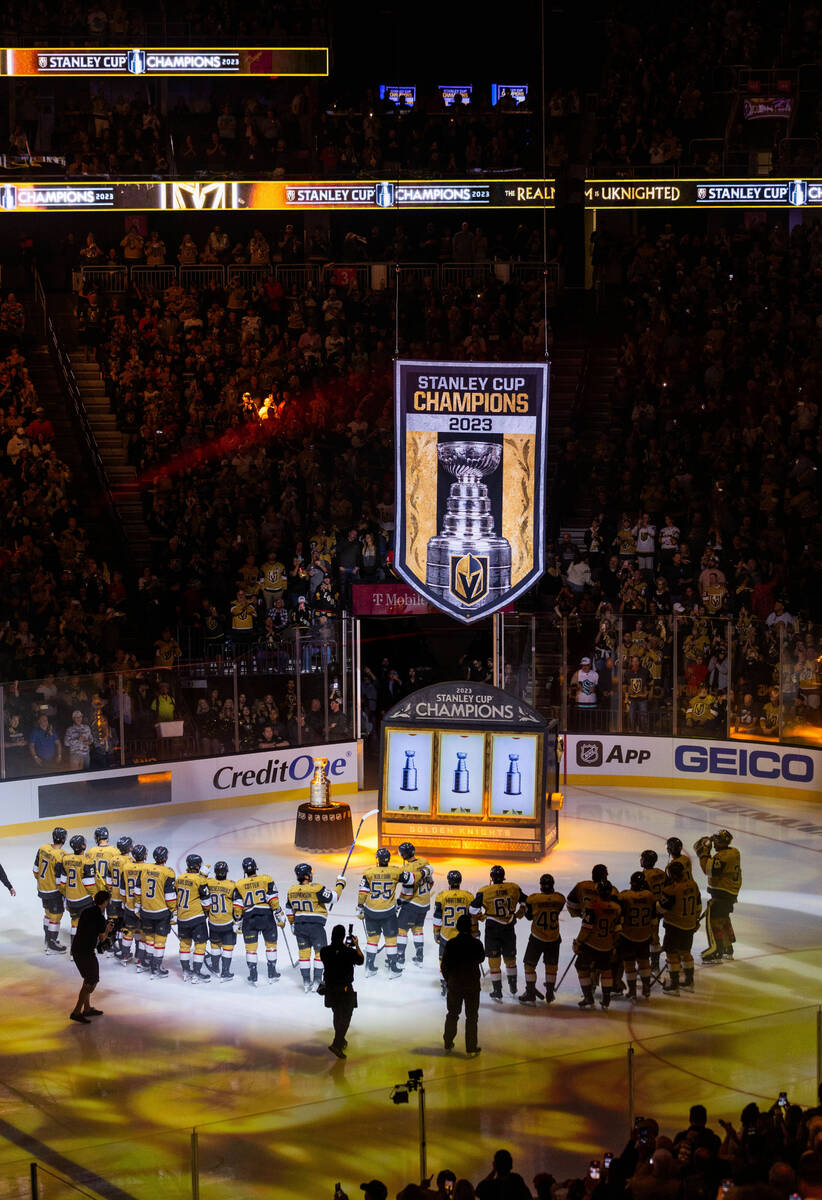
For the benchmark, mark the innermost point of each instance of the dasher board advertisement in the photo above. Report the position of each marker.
(470, 446)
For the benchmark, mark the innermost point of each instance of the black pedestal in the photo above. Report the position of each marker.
(324, 829)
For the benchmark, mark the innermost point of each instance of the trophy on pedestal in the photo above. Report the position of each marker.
(467, 560)
(319, 790)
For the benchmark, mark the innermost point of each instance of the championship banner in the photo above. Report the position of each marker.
(164, 61)
(470, 455)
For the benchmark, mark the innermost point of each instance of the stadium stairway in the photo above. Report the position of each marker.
(111, 443)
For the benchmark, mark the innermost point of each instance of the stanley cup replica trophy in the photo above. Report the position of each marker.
(319, 790)
(323, 824)
(467, 560)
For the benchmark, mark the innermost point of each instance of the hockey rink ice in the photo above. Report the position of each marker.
(112, 1105)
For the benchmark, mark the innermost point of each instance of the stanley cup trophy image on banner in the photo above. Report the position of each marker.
(470, 469)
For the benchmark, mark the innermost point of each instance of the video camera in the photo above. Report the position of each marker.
(108, 942)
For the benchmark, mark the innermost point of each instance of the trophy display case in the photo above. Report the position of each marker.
(465, 767)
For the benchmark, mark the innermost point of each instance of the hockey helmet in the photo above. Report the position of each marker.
(406, 850)
(454, 879)
(78, 843)
(498, 874)
(383, 856)
(638, 883)
(221, 870)
(648, 859)
(674, 846)
(160, 854)
(139, 852)
(59, 835)
(546, 884)
(722, 838)
(124, 844)
(604, 889)
(101, 834)
(303, 872)
(599, 873)
(249, 866)
(676, 871)
(194, 862)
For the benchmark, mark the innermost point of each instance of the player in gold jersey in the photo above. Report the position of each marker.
(654, 880)
(75, 879)
(193, 908)
(542, 909)
(721, 863)
(221, 932)
(449, 906)
(46, 863)
(676, 854)
(377, 905)
(117, 865)
(639, 921)
(102, 854)
(158, 905)
(681, 907)
(595, 943)
(414, 903)
(499, 904)
(307, 906)
(131, 886)
(257, 902)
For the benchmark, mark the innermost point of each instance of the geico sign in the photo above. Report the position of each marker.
(275, 771)
(755, 764)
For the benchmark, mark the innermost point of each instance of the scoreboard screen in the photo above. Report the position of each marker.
(396, 92)
(449, 91)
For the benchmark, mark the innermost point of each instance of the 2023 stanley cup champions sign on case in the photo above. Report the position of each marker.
(471, 442)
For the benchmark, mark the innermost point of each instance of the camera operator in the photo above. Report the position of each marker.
(92, 930)
(339, 959)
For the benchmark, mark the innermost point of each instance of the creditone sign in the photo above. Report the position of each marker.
(470, 458)
(229, 780)
(274, 195)
(164, 61)
(685, 762)
(702, 193)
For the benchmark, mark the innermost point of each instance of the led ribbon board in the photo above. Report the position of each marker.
(702, 193)
(275, 195)
(164, 61)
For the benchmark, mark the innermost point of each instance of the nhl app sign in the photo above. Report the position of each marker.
(470, 468)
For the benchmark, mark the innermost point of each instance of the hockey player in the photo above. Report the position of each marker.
(499, 904)
(221, 931)
(595, 943)
(46, 864)
(257, 902)
(117, 865)
(75, 878)
(414, 903)
(675, 854)
(307, 906)
(542, 909)
(130, 889)
(158, 905)
(193, 909)
(681, 907)
(654, 879)
(639, 922)
(102, 856)
(720, 862)
(377, 905)
(449, 905)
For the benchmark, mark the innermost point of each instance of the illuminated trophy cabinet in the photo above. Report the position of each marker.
(465, 767)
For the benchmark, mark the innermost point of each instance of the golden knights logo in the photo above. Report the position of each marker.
(469, 577)
(470, 472)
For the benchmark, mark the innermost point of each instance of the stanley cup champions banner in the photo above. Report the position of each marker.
(470, 450)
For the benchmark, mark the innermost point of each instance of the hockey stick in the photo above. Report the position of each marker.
(371, 813)
(288, 947)
(565, 972)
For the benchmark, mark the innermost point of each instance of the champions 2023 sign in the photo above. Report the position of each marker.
(470, 444)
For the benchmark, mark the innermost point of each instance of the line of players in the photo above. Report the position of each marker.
(619, 931)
